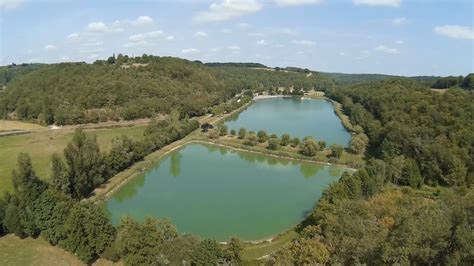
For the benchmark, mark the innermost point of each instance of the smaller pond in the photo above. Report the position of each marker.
(299, 118)
(219, 193)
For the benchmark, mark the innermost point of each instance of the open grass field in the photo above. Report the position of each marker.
(7, 125)
(44, 143)
(29, 251)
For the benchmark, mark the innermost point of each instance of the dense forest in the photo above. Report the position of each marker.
(408, 124)
(259, 80)
(383, 214)
(131, 88)
(466, 82)
(411, 203)
(102, 91)
(347, 79)
(8, 73)
(232, 64)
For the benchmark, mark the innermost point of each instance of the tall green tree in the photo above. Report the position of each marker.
(59, 175)
(262, 136)
(85, 164)
(309, 147)
(285, 139)
(242, 133)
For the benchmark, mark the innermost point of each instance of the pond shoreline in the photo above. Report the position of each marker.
(103, 192)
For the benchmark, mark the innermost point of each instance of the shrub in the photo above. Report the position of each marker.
(262, 136)
(222, 130)
(272, 144)
(295, 141)
(285, 139)
(242, 133)
(309, 147)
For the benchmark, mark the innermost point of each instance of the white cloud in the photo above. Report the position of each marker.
(228, 9)
(285, 3)
(233, 47)
(385, 49)
(262, 42)
(200, 35)
(170, 38)
(304, 42)
(455, 31)
(145, 36)
(64, 58)
(342, 53)
(50, 47)
(73, 36)
(399, 42)
(142, 21)
(226, 31)
(390, 3)
(190, 51)
(97, 27)
(400, 21)
(10, 4)
(101, 27)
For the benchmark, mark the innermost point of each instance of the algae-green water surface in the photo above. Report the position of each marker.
(299, 118)
(216, 192)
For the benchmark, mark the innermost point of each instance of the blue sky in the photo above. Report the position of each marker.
(402, 37)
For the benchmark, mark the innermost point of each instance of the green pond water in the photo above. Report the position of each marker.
(218, 193)
(299, 118)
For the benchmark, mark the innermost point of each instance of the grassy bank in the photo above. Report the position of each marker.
(252, 252)
(42, 144)
(29, 251)
(9, 125)
(348, 160)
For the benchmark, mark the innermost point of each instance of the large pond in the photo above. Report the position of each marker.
(216, 192)
(300, 118)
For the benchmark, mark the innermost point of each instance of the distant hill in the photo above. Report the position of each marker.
(233, 64)
(8, 73)
(346, 79)
(140, 87)
(466, 82)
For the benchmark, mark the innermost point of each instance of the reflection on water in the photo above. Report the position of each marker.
(299, 118)
(310, 170)
(217, 192)
(336, 171)
(132, 188)
(175, 163)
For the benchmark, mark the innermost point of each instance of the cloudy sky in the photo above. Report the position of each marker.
(403, 37)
